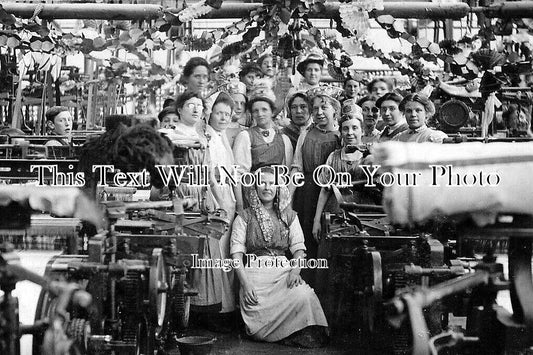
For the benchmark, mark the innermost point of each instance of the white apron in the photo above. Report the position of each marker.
(281, 310)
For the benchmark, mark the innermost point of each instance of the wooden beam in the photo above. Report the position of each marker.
(416, 9)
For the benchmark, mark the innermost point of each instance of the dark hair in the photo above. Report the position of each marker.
(378, 80)
(421, 99)
(248, 68)
(346, 117)
(302, 96)
(145, 120)
(347, 80)
(141, 147)
(224, 98)
(52, 112)
(390, 96)
(365, 99)
(252, 101)
(168, 102)
(112, 122)
(263, 57)
(192, 64)
(166, 111)
(187, 95)
(98, 150)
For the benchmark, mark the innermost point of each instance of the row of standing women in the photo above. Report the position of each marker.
(277, 304)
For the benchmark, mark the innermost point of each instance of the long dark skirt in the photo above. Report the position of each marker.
(304, 203)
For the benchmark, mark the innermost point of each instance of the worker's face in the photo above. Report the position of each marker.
(240, 106)
(351, 132)
(351, 89)
(62, 123)
(415, 114)
(192, 111)
(266, 190)
(370, 113)
(379, 89)
(267, 67)
(323, 113)
(312, 73)
(220, 117)
(249, 79)
(390, 112)
(262, 114)
(198, 80)
(299, 111)
(170, 120)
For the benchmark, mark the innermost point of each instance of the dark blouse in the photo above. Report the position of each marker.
(293, 132)
(317, 146)
(387, 134)
(264, 154)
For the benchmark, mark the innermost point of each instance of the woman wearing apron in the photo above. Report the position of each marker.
(312, 150)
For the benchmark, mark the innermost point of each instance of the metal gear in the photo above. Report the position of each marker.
(79, 330)
(135, 327)
(182, 306)
(402, 342)
(131, 304)
(182, 303)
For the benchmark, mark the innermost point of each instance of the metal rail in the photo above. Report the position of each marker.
(418, 9)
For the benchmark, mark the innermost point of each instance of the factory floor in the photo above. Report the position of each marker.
(226, 343)
(232, 343)
(238, 344)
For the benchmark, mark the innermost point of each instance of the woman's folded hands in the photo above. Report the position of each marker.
(294, 279)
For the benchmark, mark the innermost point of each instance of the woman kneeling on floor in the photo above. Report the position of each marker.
(276, 304)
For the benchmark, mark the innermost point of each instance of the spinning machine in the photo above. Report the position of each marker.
(137, 269)
(369, 259)
(139, 275)
(423, 278)
(69, 300)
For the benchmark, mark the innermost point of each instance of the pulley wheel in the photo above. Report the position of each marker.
(158, 290)
(453, 115)
(46, 304)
